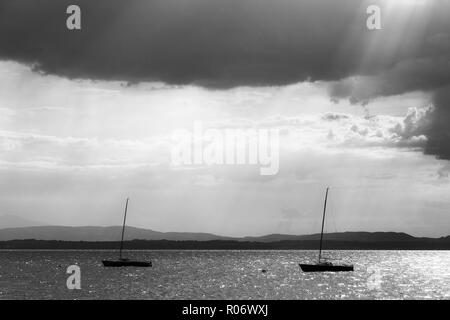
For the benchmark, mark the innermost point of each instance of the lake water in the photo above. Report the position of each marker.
(233, 274)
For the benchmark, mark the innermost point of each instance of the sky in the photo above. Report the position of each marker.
(87, 116)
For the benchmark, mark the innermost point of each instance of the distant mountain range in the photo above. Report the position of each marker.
(91, 233)
(17, 232)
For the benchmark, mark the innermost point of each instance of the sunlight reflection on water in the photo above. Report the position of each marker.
(225, 275)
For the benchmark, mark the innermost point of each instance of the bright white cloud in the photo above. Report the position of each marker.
(70, 151)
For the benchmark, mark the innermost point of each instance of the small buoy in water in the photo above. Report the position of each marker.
(263, 270)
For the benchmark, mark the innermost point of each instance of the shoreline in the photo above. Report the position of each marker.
(32, 244)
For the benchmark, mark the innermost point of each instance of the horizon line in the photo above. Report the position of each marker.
(219, 235)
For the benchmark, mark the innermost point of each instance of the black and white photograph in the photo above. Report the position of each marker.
(224, 150)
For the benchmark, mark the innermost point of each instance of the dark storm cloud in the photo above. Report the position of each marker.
(227, 43)
(423, 74)
(208, 42)
(438, 133)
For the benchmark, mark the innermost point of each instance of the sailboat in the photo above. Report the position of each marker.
(123, 262)
(323, 265)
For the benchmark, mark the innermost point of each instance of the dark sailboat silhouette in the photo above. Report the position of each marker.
(323, 266)
(123, 262)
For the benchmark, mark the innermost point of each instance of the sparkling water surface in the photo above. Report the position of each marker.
(225, 274)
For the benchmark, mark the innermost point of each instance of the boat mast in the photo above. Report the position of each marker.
(123, 230)
(323, 222)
